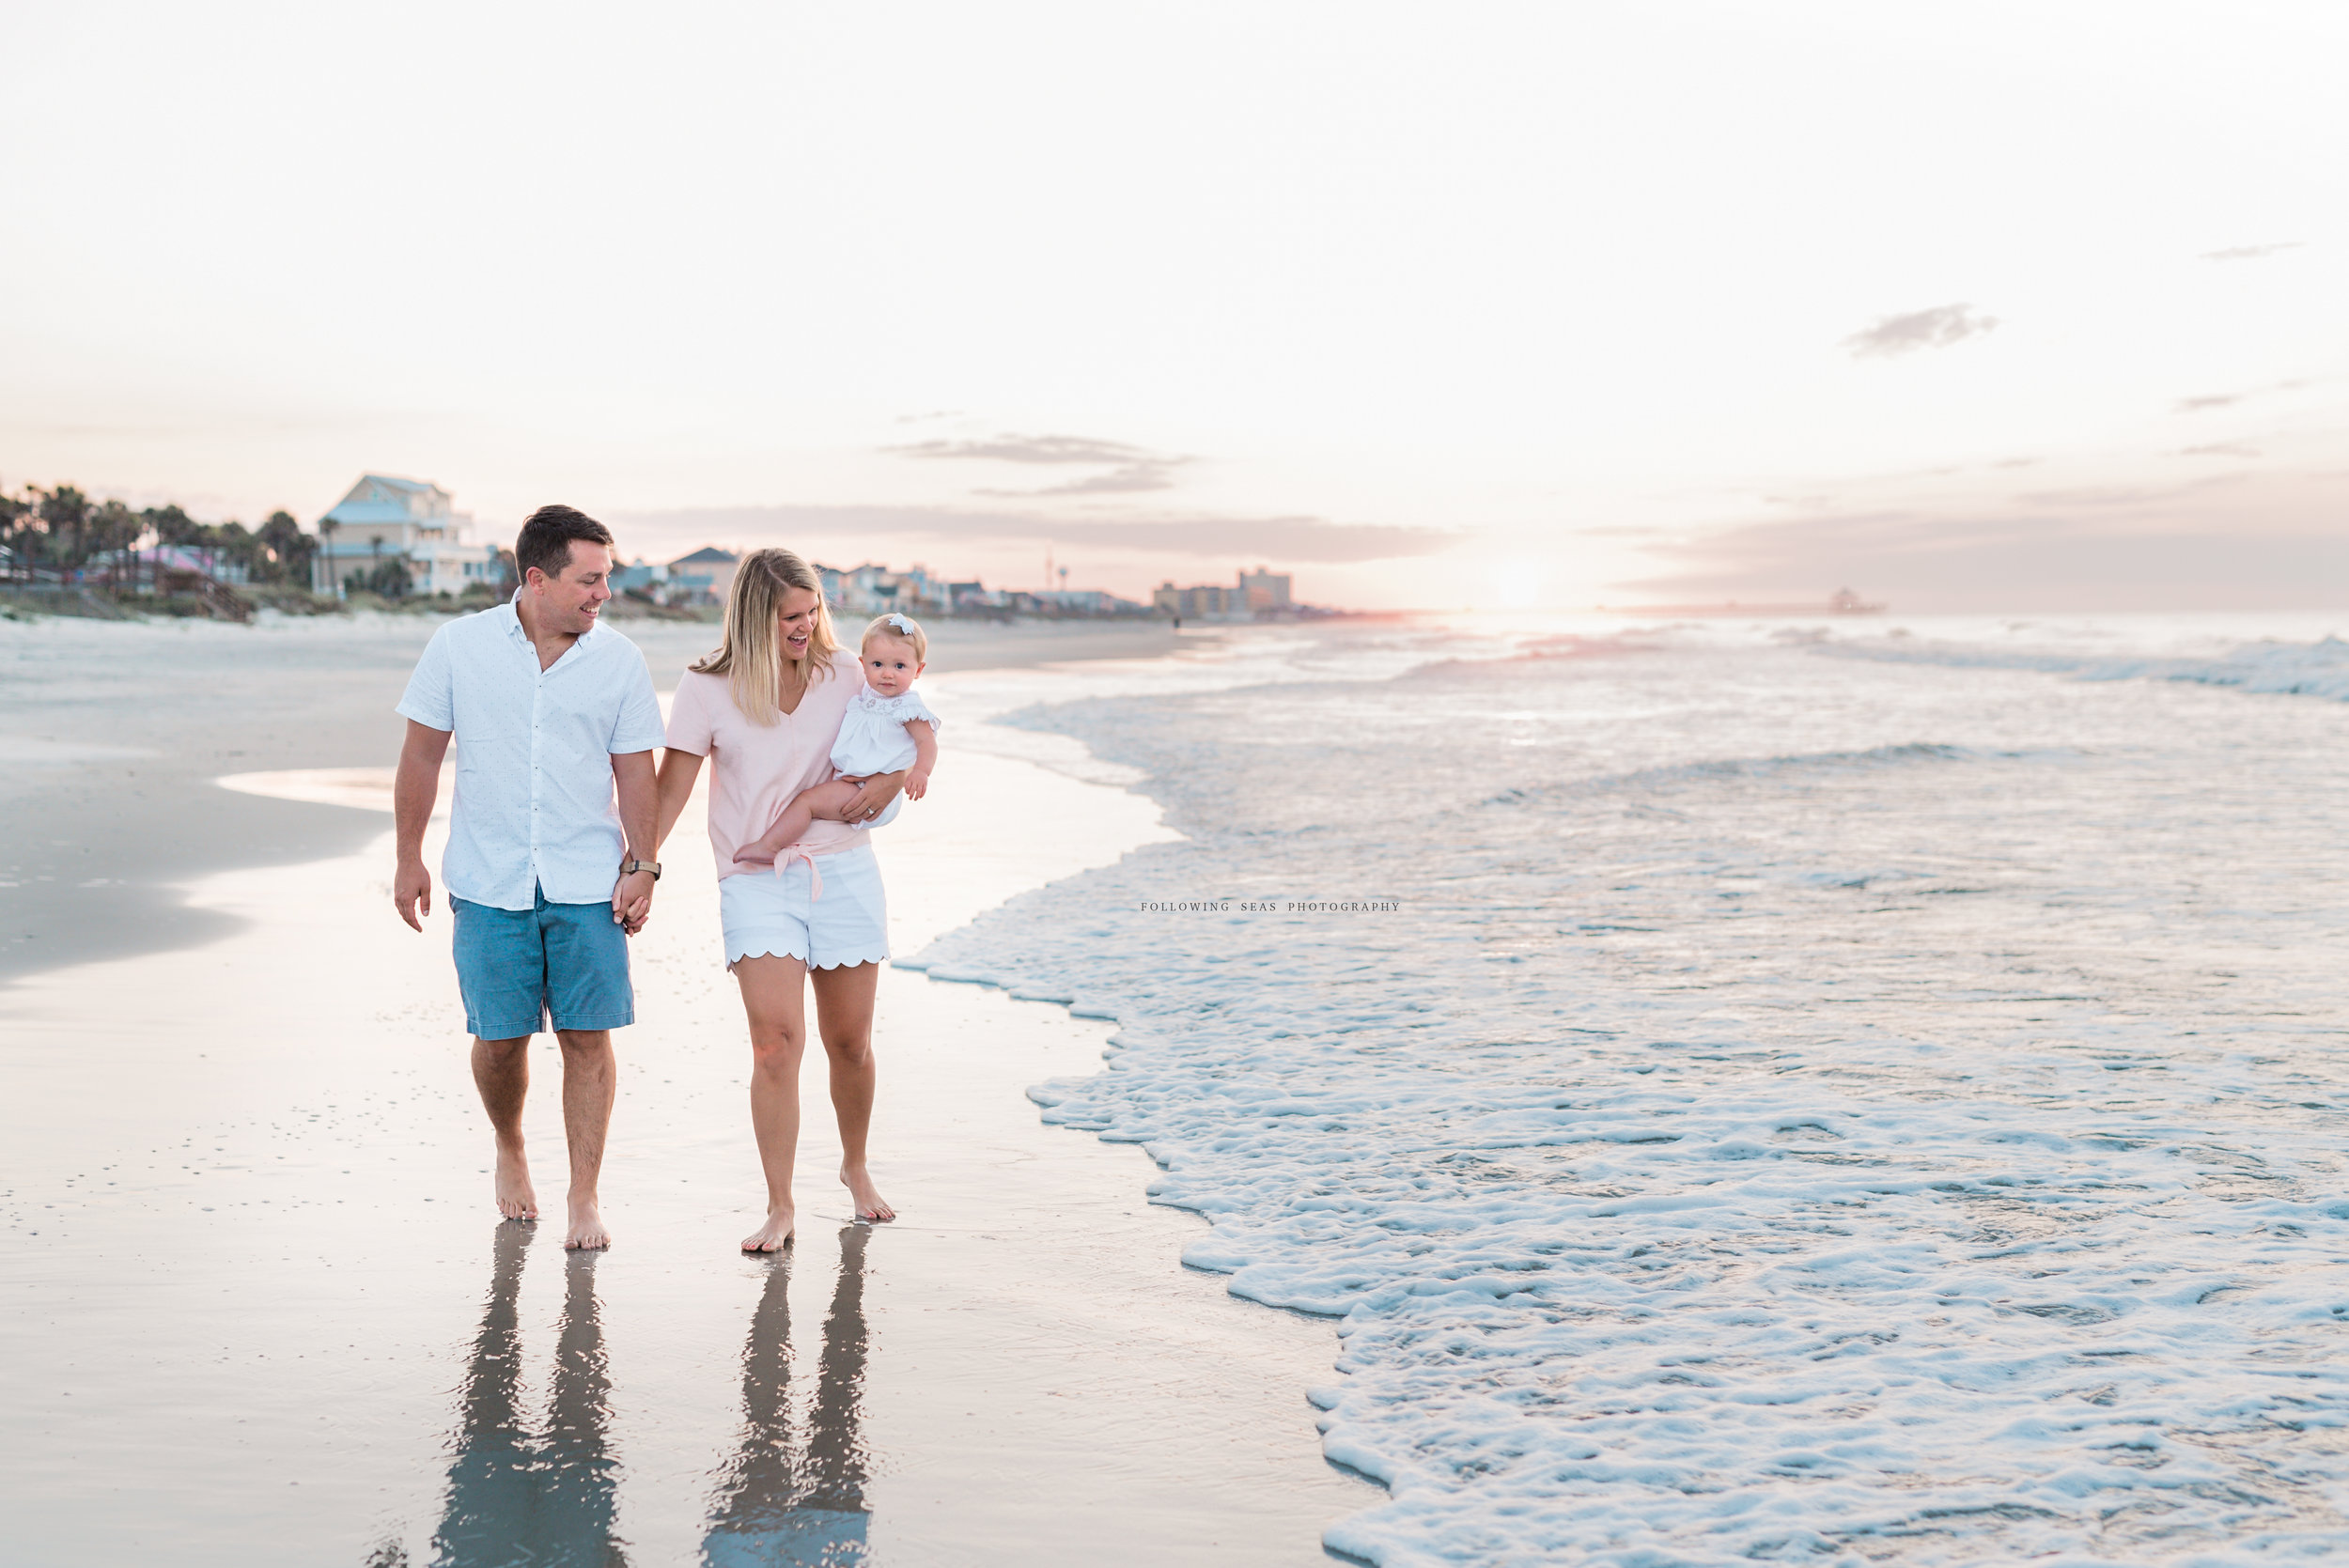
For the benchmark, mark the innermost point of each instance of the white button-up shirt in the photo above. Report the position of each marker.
(535, 806)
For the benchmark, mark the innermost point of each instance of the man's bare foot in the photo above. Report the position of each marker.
(516, 1201)
(869, 1203)
(770, 1237)
(586, 1234)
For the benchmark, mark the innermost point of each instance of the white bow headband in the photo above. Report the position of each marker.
(899, 621)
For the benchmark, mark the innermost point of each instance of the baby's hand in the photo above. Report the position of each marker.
(917, 783)
(754, 854)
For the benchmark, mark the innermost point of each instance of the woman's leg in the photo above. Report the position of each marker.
(844, 1015)
(774, 998)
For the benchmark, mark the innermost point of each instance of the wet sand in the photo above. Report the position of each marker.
(262, 1313)
(112, 732)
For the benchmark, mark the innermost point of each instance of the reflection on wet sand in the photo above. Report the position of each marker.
(519, 1497)
(780, 1501)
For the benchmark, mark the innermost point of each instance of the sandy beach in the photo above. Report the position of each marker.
(112, 733)
(262, 1311)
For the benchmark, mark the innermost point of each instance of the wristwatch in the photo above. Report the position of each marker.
(630, 868)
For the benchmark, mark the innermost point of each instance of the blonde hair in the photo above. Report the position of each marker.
(886, 626)
(751, 651)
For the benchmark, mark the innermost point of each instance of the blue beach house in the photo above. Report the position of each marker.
(410, 520)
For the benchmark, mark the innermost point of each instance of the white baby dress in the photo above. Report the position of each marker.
(873, 740)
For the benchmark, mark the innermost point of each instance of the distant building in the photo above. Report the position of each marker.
(1257, 593)
(868, 590)
(876, 590)
(1088, 601)
(644, 577)
(705, 577)
(405, 520)
(1208, 601)
(1264, 590)
(159, 561)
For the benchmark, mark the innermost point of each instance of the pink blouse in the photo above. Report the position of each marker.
(757, 768)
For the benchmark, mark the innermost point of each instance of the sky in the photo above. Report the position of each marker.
(1984, 307)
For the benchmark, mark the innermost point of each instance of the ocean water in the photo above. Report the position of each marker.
(1854, 1091)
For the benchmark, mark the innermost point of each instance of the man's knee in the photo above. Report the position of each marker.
(584, 1042)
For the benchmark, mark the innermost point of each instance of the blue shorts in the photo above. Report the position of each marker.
(515, 968)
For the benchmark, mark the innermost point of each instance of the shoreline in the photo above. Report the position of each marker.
(1039, 1379)
(113, 735)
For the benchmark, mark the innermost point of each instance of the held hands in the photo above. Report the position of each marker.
(631, 901)
(411, 892)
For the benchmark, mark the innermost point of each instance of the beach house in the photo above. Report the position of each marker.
(408, 521)
(705, 577)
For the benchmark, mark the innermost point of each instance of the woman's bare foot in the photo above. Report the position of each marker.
(516, 1201)
(586, 1234)
(770, 1237)
(869, 1203)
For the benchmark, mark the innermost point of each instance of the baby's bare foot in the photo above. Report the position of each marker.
(869, 1203)
(586, 1234)
(516, 1201)
(770, 1237)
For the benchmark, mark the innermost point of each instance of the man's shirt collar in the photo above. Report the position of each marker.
(511, 612)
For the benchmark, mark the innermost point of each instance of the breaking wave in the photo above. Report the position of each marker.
(2319, 669)
(1926, 1151)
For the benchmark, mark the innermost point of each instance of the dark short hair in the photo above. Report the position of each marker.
(546, 539)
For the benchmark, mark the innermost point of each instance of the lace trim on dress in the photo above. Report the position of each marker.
(905, 708)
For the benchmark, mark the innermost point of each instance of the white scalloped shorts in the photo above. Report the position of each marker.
(769, 915)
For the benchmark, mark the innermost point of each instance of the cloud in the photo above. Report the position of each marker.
(2251, 253)
(1130, 480)
(1936, 328)
(2227, 399)
(2219, 449)
(879, 530)
(1132, 470)
(2241, 540)
(1033, 449)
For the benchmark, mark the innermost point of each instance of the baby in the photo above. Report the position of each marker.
(886, 728)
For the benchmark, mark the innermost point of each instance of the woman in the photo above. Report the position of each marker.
(766, 708)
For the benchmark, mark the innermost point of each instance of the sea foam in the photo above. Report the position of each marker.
(1748, 1106)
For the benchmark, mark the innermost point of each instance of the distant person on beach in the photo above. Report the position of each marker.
(888, 729)
(766, 709)
(554, 718)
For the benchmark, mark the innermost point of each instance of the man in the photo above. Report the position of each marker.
(553, 715)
